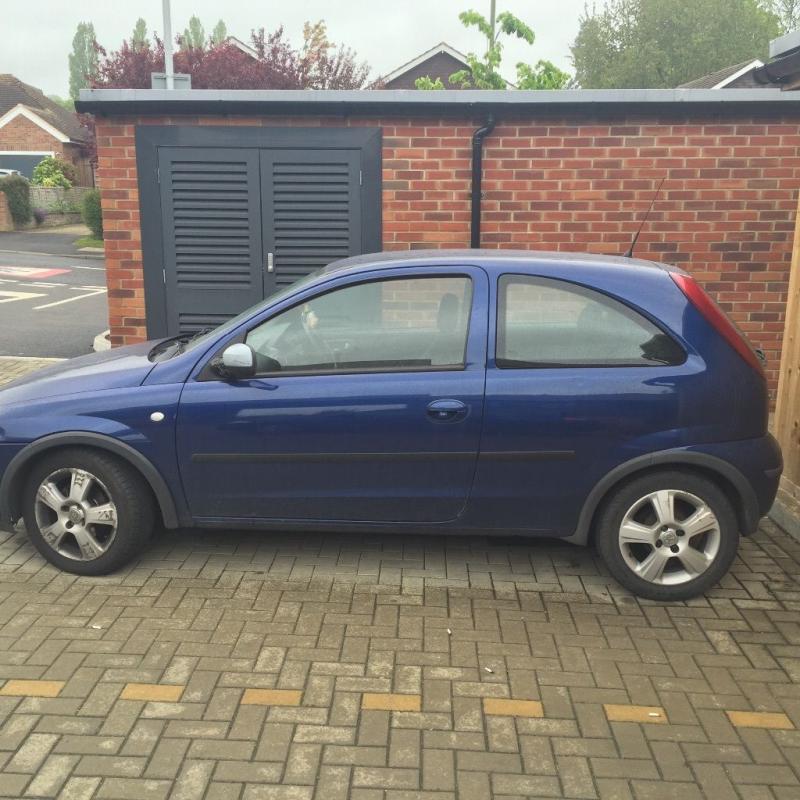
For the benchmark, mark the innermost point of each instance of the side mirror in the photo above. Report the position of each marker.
(238, 362)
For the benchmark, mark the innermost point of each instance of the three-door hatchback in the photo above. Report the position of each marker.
(594, 399)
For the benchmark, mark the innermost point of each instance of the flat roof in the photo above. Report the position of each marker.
(405, 101)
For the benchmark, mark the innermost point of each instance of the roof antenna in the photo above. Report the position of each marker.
(629, 253)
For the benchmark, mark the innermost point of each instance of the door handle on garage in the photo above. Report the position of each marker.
(270, 262)
(447, 410)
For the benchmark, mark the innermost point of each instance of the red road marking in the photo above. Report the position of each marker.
(31, 273)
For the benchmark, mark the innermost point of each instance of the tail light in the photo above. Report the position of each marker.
(718, 320)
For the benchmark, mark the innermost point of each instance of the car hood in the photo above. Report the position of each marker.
(111, 369)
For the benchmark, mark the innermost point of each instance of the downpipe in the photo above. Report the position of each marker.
(477, 177)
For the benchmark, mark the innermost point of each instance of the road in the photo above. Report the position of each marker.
(50, 305)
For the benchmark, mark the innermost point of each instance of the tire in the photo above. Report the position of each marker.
(653, 555)
(106, 517)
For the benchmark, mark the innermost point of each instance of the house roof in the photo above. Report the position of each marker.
(14, 93)
(442, 47)
(468, 102)
(722, 78)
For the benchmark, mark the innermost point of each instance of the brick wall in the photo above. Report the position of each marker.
(22, 134)
(726, 211)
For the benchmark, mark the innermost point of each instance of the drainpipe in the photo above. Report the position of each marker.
(477, 174)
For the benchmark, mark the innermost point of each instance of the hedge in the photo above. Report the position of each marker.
(18, 193)
(92, 214)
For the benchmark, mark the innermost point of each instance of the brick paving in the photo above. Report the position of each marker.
(255, 666)
(12, 367)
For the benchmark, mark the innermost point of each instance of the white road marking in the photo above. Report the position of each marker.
(46, 285)
(81, 266)
(72, 299)
(10, 297)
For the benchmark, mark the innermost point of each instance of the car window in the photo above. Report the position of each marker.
(393, 324)
(545, 322)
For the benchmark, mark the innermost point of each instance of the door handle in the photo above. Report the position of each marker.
(447, 410)
(270, 262)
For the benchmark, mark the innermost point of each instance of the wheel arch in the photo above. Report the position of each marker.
(726, 476)
(14, 475)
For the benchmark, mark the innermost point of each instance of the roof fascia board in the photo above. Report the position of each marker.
(754, 64)
(472, 101)
(21, 110)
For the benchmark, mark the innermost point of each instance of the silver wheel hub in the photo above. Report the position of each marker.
(669, 537)
(76, 514)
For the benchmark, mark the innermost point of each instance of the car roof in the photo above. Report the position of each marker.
(492, 260)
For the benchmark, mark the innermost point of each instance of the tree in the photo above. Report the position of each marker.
(220, 33)
(319, 64)
(194, 37)
(82, 59)
(484, 72)
(139, 38)
(664, 43)
(787, 12)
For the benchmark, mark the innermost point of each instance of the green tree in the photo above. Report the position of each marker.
(787, 11)
(220, 33)
(483, 71)
(139, 40)
(194, 36)
(664, 43)
(83, 59)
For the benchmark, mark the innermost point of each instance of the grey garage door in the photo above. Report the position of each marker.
(23, 163)
(231, 215)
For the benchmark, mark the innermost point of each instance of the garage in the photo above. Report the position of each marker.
(232, 215)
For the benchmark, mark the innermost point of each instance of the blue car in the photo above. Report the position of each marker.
(595, 399)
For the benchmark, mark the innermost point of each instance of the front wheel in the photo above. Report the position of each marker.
(668, 535)
(86, 511)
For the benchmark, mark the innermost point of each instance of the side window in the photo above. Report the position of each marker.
(393, 324)
(544, 322)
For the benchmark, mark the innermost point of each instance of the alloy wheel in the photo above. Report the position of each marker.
(76, 514)
(669, 537)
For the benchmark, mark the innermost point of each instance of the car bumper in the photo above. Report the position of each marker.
(760, 463)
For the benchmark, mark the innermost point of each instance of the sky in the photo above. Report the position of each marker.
(385, 33)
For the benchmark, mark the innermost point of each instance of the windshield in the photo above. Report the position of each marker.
(234, 322)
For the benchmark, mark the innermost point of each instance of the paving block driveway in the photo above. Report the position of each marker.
(227, 665)
(255, 665)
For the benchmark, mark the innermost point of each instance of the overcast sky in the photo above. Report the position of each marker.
(385, 33)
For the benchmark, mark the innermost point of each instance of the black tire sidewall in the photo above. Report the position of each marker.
(615, 508)
(129, 492)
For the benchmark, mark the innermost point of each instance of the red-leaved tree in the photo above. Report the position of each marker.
(319, 64)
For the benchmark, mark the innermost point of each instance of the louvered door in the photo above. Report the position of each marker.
(212, 235)
(311, 205)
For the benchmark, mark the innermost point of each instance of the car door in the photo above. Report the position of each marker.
(368, 405)
(577, 383)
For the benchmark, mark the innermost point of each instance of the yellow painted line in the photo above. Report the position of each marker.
(391, 702)
(152, 692)
(760, 719)
(15, 688)
(503, 707)
(271, 697)
(647, 714)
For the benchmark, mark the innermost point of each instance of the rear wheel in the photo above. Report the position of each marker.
(87, 512)
(668, 535)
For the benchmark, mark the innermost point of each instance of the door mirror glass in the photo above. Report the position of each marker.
(237, 362)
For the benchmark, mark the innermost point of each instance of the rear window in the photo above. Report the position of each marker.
(544, 322)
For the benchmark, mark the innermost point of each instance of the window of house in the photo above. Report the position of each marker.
(550, 323)
(393, 324)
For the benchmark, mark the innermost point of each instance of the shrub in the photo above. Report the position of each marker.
(53, 171)
(18, 191)
(92, 214)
